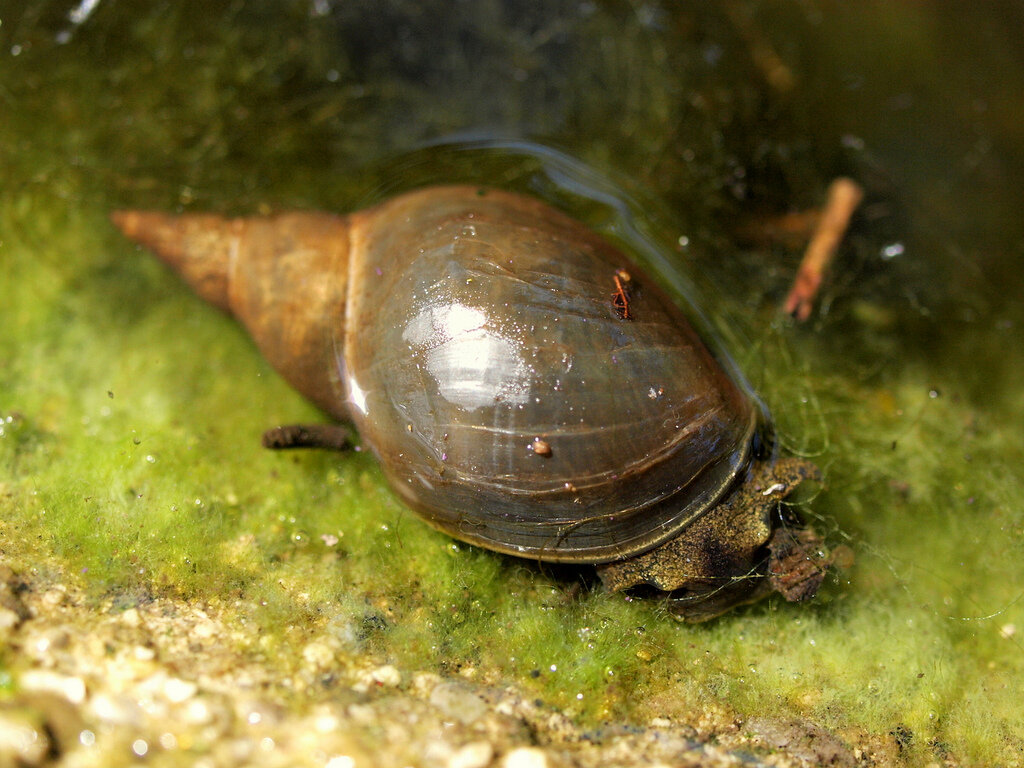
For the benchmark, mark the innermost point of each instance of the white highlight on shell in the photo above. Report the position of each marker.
(356, 395)
(474, 366)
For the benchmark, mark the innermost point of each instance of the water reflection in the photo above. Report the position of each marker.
(471, 364)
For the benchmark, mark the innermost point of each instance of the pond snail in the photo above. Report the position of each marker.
(525, 386)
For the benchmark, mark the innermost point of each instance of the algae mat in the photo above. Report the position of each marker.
(172, 593)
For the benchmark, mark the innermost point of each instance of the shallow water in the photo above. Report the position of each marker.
(677, 129)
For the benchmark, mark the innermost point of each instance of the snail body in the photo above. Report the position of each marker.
(525, 387)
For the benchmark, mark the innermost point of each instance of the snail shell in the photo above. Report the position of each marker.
(525, 386)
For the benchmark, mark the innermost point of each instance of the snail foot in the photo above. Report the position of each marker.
(333, 437)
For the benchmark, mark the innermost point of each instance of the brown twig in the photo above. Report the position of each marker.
(844, 195)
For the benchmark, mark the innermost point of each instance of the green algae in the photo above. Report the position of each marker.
(131, 414)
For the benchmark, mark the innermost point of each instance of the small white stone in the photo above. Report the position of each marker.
(131, 618)
(143, 653)
(71, 688)
(476, 754)
(240, 751)
(436, 752)
(177, 690)
(459, 702)
(55, 596)
(363, 714)
(198, 712)
(325, 721)
(116, 710)
(525, 757)
(8, 619)
(506, 707)
(204, 629)
(387, 675)
(318, 655)
(425, 682)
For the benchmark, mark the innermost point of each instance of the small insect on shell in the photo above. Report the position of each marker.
(620, 298)
(454, 325)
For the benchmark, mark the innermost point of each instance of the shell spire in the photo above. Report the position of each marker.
(196, 246)
(285, 277)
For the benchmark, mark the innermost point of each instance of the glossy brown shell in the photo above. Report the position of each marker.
(487, 360)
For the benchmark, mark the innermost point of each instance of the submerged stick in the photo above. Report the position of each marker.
(844, 195)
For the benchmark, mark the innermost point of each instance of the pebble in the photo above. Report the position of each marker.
(436, 752)
(459, 702)
(326, 719)
(8, 619)
(199, 712)
(386, 676)
(55, 596)
(525, 757)
(116, 709)
(318, 655)
(425, 682)
(476, 754)
(178, 691)
(205, 627)
(362, 714)
(71, 688)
